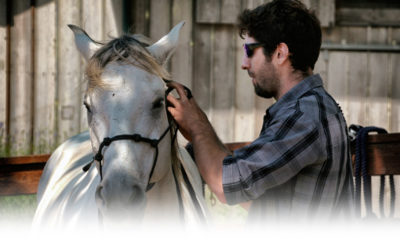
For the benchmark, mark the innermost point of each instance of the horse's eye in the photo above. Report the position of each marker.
(158, 103)
(87, 107)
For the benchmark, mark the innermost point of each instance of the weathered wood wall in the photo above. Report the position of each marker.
(41, 73)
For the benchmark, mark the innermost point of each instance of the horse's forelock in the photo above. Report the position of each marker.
(125, 49)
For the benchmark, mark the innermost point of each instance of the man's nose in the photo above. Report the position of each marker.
(245, 62)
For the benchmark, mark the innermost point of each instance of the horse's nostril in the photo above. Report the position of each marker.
(137, 194)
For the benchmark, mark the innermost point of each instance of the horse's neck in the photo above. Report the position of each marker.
(162, 200)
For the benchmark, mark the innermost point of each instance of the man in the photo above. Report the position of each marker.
(299, 168)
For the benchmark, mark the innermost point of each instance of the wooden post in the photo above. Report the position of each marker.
(69, 71)
(45, 71)
(4, 45)
(21, 79)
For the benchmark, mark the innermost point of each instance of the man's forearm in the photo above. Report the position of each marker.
(209, 153)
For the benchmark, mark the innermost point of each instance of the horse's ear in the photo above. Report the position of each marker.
(86, 45)
(163, 49)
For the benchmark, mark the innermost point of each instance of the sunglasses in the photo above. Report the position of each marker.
(250, 47)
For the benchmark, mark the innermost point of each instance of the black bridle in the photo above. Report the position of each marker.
(154, 144)
(138, 138)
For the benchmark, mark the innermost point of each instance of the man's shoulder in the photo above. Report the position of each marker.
(310, 107)
(318, 101)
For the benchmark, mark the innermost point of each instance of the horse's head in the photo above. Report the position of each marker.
(126, 96)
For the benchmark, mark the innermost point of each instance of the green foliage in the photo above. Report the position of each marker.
(17, 208)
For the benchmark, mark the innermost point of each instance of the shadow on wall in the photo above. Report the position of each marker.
(10, 8)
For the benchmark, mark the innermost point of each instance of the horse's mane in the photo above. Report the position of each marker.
(127, 49)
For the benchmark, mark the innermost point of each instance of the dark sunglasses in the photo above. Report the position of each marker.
(250, 47)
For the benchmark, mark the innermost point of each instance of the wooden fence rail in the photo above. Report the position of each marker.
(20, 175)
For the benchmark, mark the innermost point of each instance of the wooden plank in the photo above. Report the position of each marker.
(395, 86)
(182, 60)
(244, 100)
(337, 82)
(160, 18)
(113, 15)
(324, 10)
(21, 175)
(321, 66)
(345, 35)
(21, 79)
(357, 85)
(395, 35)
(223, 82)
(208, 11)
(326, 13)
(230, 11)
(70, 72)
(141, 22)
(45, 69)
(23, 160)
(3, 76)
(20, 182)
(383, 154)
(377, 35)
(202, 66)
(395, 94)
(377, 106)
(368, 17)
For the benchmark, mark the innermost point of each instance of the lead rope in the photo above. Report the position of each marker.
(361, 172)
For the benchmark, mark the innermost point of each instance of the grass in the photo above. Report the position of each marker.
(21, 209)
(17, 208)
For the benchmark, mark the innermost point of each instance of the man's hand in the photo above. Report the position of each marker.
(195, 127)
(190, 118)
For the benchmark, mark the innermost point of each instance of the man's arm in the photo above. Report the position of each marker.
(208, 150)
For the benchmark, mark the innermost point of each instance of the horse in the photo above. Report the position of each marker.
(128, 169)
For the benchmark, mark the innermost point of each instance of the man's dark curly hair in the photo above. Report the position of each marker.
(285, 21)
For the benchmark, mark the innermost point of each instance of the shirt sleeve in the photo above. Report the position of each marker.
(281, 152)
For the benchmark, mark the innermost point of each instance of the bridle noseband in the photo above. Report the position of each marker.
(138, 138)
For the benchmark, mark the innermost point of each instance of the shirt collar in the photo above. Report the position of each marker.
(296, 92)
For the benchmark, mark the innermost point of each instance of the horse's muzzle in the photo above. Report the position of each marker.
(120, 201)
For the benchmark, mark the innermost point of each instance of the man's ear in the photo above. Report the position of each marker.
(282, 53)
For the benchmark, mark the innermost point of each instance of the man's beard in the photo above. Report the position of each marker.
(267, 83)
(262, 92)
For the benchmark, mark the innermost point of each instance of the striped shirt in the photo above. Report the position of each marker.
(299, 168)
